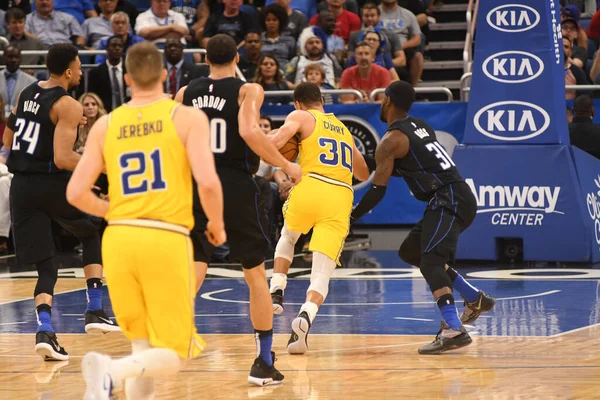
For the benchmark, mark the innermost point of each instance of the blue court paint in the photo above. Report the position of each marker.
(550, 307)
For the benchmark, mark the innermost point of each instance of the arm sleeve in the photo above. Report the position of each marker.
(368, 202)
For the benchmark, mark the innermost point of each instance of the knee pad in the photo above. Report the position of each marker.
(435, 274)
(92, 251)
(410, 253)
(286, 243)
(47, 276)
(322, 269)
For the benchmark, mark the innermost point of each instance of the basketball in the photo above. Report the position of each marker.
(290, 149)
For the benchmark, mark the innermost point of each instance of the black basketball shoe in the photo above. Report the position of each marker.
(298, 343)
(263, 375)
(447, 339)
(484, 303)
(97, 323)
(46, 345)
(277, 297)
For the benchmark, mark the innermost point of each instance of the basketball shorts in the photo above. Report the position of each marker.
(245, 224)
(36, 200)
(151, 281)
(325, 207)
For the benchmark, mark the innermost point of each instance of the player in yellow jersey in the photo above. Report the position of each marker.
(321, 201)
(150, 147)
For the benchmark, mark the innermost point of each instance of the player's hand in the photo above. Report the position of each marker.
(294, 171)
(83, 121)
(284, 189)
(215, 233)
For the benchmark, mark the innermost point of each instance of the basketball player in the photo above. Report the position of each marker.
(40, 134)
(410, 149)
(233, 108)
(322, 201)
(150, 148)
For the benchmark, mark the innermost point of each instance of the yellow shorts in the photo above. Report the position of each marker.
(326, 208)
(151, 282)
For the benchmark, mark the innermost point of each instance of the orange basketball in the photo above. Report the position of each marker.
(290, 149)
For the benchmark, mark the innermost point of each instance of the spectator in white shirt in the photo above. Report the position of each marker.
(159, 22)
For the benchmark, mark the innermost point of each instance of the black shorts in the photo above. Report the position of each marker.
(245, 224)
(36, 200)
(448, 213)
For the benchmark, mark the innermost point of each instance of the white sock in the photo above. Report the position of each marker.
(311, 309)
(278, 281)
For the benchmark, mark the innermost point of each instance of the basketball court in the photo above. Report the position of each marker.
(541, 340)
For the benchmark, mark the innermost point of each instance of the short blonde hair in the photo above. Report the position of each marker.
(144, 64)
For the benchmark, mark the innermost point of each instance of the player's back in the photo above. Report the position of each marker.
(218, 98)
(32, 150)
(427, 166)
(148, 170)
(327, 153)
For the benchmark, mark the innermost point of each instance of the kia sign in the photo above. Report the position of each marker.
(513, 18)
(511, 121)
(513, 66)
(517, 92)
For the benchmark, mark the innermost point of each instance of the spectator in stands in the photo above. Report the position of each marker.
(269, 76)
(251, 56)
(374, 39)
(179, 71)
(346, 21)
(159, 22)
(273, 19)
(569, 115)
(573, 74)
(97, 29)
(579, 55)
(15, 21)
(24, 5)
(370, 15)
(106, 80)
(365, 76)
(231, 21)
(190, 9)
(314, 73)
(52, 26)
(120, 27)
(404, 23)
(12, 79)
(582, 131)
(594, 28)
(79, 9)
(93, 108)
(579, 36)
(311, 45)
(206, 9)
(126, 7)
(296, 20)
(335, 44)
(350, 5)
(418, 9)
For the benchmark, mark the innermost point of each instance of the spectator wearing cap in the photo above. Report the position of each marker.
(346, 21)
(571, 12)
(570, 29)
(312, 47)
(583, 132)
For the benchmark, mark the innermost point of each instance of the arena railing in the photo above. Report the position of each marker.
(277, 93)
(433, 89)
(471, 17)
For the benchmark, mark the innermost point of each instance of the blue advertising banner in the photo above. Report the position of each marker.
(588, 171)
(517, 91)
(528, 192)
(399, 206)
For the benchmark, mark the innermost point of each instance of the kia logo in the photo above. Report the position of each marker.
(513, 66)
(513, 18)
(511, 120)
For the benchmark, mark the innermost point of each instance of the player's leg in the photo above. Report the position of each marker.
(284, 255)
(439, 237)
(203, 250)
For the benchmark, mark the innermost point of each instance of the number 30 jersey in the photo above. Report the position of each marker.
(148, 171)
(327, 153)
(218, 98)
(427, 167)
(32, 149)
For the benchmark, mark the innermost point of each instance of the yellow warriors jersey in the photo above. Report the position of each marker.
(327, 152)
(147, 166)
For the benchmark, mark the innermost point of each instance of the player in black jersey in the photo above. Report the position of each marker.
(233, 109)
(410, 149)
(40, 134)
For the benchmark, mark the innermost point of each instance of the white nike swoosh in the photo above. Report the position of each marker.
(106, 321)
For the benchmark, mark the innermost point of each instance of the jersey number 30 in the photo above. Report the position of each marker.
(31, 135)
(336, 153)
(133, 168)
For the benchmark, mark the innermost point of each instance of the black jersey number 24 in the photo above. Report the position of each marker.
(26, 131)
